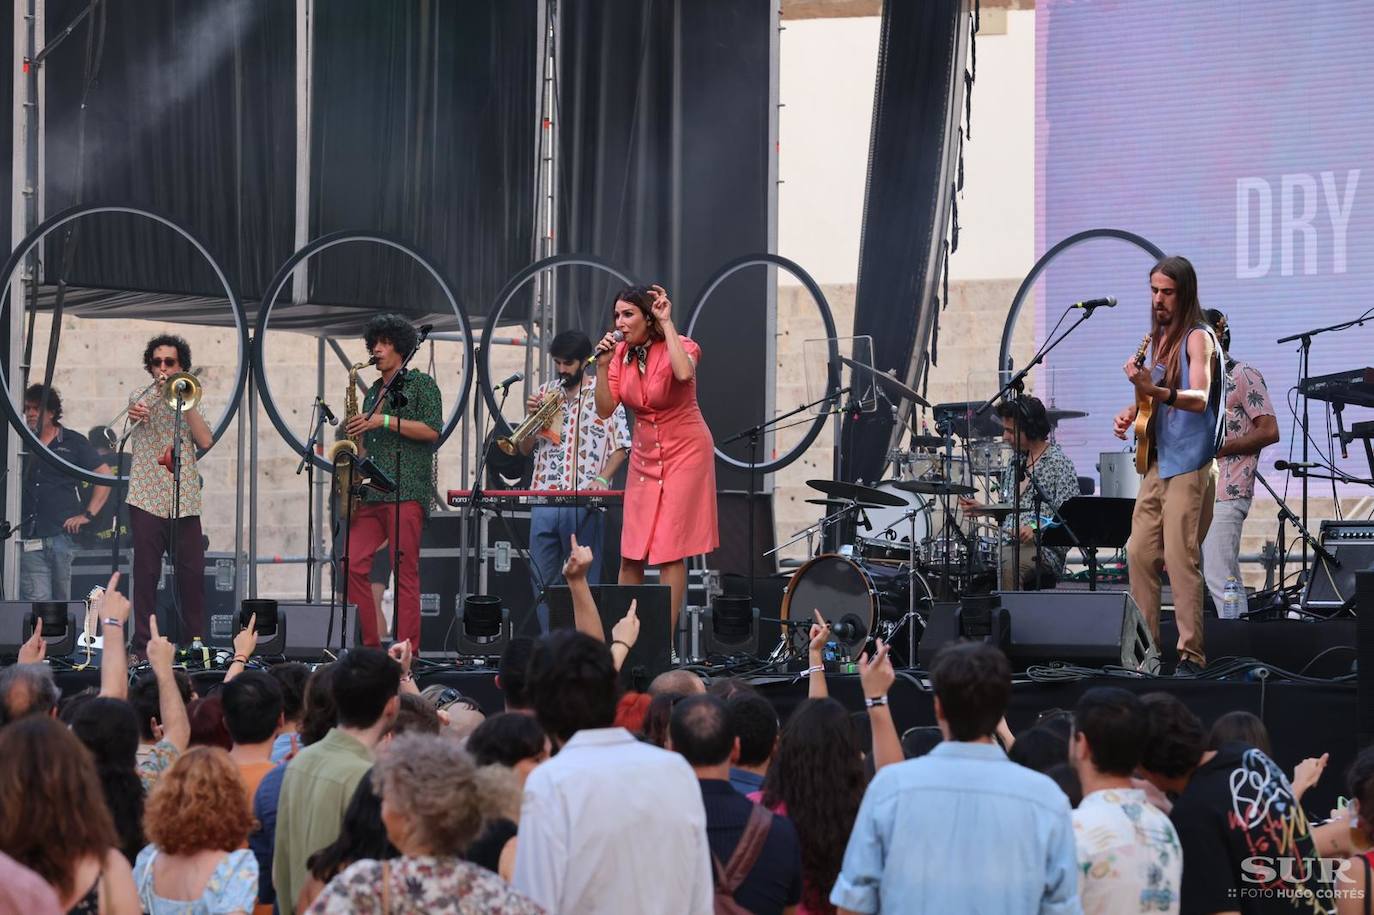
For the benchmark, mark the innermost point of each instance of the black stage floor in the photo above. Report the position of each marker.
(1306, 717)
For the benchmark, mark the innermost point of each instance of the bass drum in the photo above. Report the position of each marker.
(890, 533)
(845, 590)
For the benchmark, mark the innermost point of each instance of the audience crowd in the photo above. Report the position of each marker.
(345, 788)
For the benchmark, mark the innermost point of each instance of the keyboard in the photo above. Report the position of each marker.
(589, 497)
(1355, 386)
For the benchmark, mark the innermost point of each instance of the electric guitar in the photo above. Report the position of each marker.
(1144, 412)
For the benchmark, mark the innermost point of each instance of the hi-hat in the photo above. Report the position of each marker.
(1056, 415)
(857, 493)
(835, 504)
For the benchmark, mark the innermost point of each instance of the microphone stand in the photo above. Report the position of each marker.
(308, 465)
(1304, 367)
(753, 433)
(1286, 515)
(1042, 498)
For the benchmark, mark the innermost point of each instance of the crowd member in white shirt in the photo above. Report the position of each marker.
(609, 824)
(1129, 858)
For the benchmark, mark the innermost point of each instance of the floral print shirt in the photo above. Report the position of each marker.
(233, 887)
(421, 885)
(585, 440)
(154, 760)
(150, 484)
(1247, 399)
(1129, 857)
(424, 404)
(1055, 473)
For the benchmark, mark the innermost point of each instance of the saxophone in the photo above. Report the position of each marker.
(344, 453)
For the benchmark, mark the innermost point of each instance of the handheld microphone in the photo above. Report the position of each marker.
(617, 337)
(1104, 302)
(1294, 465)
(516, 376)
(328, 413)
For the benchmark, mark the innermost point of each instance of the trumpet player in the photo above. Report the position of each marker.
(399, 437)
(150, 494)
(583, 452)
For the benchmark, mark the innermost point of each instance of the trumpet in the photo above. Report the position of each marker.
(540, 422)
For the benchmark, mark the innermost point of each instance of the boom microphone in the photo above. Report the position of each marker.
(617, 337)
(511, 380)
(1104, 302)
(1294, 465)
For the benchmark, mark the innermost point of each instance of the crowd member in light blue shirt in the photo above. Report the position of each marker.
(962, 829)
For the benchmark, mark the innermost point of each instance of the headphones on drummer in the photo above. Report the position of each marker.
(1029, 414)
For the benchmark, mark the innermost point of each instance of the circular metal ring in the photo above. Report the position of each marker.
(503, 299)
(1004, 352)
(832, 382)
(22, 251)
(274, 289)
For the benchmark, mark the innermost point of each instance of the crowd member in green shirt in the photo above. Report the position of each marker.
(399, 438)
(321, 779)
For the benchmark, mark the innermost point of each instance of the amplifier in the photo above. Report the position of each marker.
(1332, 588)
(92, 567)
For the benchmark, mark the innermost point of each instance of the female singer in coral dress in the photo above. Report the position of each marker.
(670, 489)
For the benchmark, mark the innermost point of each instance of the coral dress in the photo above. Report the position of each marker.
(670, 489)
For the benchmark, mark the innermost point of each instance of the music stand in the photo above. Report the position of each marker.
(1099, 521)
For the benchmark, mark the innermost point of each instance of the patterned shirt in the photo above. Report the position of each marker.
(150, 484)
(232, 887)
(154, 760)
(1129, 857)
(585, 440)
(421, 884)
(423, 404)
(1055, 473)
(1247, 399)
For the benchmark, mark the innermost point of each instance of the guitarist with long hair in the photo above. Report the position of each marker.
(1178, 397)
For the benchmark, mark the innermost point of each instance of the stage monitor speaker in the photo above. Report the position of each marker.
(1331, 589)
(1081, 628)
(306, 631)
(651, 654)
(16, 625)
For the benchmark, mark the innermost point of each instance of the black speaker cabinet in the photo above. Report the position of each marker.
(1331, 589)
(309, 633)
(1082, 628)
(1364, 656)
(651, 654)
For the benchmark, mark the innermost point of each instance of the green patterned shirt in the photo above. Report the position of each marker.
(423, 404)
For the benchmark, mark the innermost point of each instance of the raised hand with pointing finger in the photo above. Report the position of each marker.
(579, 561)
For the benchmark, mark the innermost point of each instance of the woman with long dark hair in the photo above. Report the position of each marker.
(362, 837)
(109, 729)
(670, 490)
(817, 778)
(53, 818)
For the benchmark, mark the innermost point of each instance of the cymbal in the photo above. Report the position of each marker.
(998, 510)
(842, 503)
(841, 490)
(1056, 415)
(887, 381)
(935, 487)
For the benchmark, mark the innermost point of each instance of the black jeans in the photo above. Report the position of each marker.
(151, 536)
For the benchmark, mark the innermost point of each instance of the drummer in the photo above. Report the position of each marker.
(1026, 427)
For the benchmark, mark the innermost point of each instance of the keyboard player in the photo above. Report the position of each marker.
(1250, 426)
(584, 453)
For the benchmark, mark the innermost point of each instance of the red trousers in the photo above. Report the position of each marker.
(373, 523)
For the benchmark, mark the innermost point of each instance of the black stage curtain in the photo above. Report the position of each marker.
(910, 109)
(664, 158)
(190, 112)
(423, 127)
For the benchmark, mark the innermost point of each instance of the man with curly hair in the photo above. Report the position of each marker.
(399, 437)
(1251, 426)
(150, 496)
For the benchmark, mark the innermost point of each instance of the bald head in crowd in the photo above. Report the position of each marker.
(27, 689)
(682, 682)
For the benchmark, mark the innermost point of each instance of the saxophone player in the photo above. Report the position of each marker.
(399, 438)
(585, 454)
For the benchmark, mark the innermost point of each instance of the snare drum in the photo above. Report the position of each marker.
(891, 527)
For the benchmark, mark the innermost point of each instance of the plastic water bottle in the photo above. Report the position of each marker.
(1231, 600)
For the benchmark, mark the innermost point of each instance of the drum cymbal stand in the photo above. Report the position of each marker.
(912, 614)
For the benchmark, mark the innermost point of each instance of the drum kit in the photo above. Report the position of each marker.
(881, 555)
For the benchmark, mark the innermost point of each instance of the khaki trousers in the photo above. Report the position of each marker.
(1167, 529)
